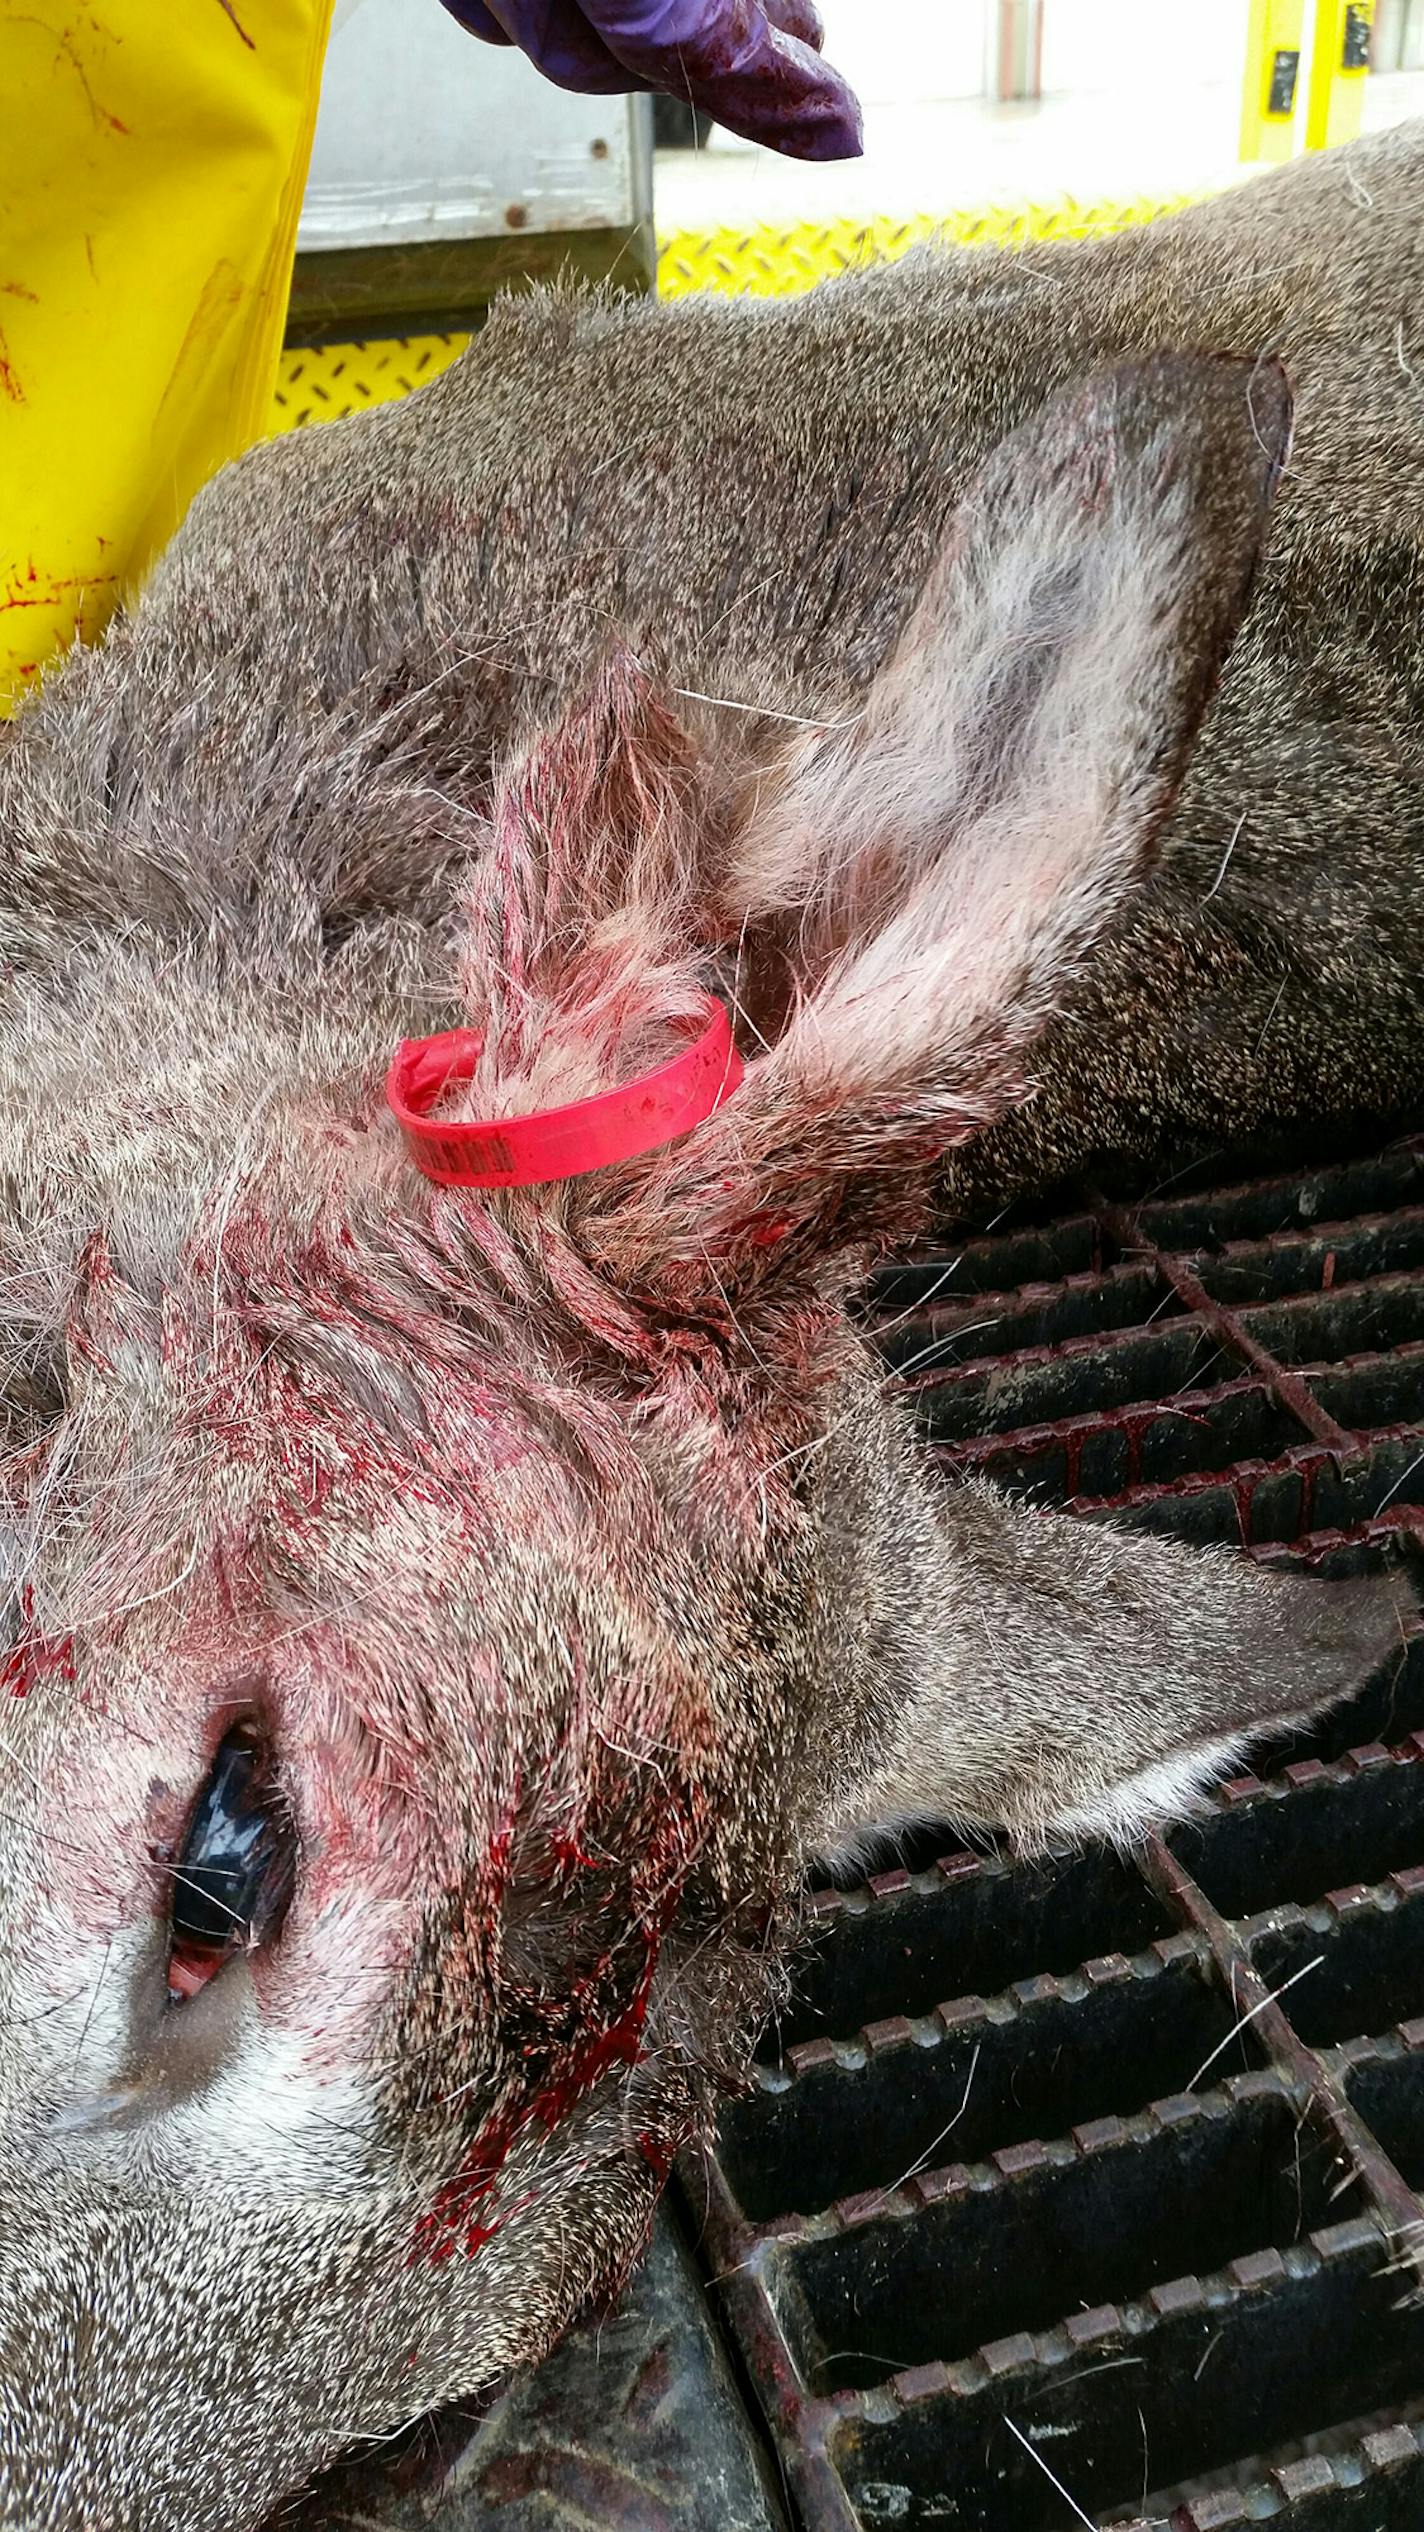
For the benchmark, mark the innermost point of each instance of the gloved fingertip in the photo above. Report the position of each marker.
(839, 134)
(475, 18)
(821, 122)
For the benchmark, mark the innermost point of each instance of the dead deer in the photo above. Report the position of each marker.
(445, 1618)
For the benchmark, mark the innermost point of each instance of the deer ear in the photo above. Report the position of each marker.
(928, 882)
(1155, 1667)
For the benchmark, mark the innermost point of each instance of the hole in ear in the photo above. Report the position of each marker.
(35, 1393)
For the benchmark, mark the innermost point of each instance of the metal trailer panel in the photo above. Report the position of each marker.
(425, 133)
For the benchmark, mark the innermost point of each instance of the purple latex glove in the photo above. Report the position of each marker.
(753, 65)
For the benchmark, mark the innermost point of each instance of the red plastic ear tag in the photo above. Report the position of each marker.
(529, 1151)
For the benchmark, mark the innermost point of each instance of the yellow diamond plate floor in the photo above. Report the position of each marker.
(325, 382)
(328, 381)
(771, 262)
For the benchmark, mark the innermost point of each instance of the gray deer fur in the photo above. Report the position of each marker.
(565, 1544)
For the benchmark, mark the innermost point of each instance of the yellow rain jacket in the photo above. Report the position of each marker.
(151, 174)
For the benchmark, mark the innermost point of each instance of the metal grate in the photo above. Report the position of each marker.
(1084, 2192)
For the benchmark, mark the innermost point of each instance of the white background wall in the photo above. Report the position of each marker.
(907, 52)
(425, 133)
(1097, 44)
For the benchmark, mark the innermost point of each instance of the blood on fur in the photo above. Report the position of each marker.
(33, 1656)
(581, 2041)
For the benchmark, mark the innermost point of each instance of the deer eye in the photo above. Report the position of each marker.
(233, 1881)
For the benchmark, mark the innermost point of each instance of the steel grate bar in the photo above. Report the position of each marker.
(1287, 1386)
(1067, 2165)
(1399, 2208)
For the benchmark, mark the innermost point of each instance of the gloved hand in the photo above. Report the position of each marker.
(753, 65)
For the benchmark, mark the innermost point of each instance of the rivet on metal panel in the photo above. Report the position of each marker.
(923, 2382)
(1310, 2477)
(951, 2181)
(958, 1868)
(1250, 2086)
(1008, 2356)
(1108, 1969)
(1340, 2241)
(952, 2015)
(1177, 2107)
(896, 2031)
(1219, 2512)
(1177, 1947)
(1343, 1903)
(1014, 2160)
(808, 2054)
(1180, 2294)
(1389, 2446)
(1306, 1771)
(1257, 2268)
(1097, 2133)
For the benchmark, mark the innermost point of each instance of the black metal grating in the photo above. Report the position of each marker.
(1086, 2192)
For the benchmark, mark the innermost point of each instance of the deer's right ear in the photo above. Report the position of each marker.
(926, 883)
(1153, 1668)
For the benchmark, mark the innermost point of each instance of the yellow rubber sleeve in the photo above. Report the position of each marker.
(153, 169)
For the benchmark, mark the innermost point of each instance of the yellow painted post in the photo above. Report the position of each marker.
(1339, 67)
(1275, 43)
(151, 176)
